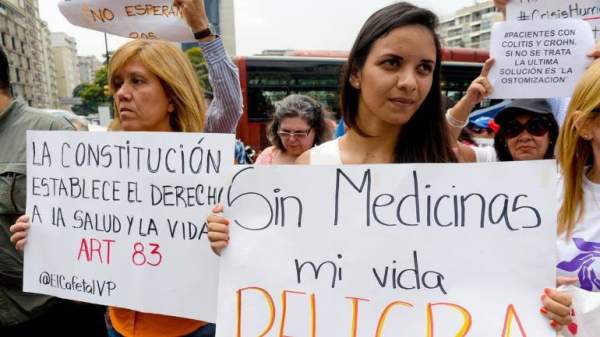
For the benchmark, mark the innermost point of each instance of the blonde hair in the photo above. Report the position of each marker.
(573, 152)
(176, 75)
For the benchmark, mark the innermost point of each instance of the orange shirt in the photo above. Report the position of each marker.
(131, 323)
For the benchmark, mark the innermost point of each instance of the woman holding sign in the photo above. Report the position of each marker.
(391, 96)
(390, 100)
(155, 89)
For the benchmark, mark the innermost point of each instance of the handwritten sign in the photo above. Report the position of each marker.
(149, 19)
(529, 10)
(539, 61)
(118, 218)
(389, 250)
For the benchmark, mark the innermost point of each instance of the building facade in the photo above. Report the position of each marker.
(227, 25)
(88, 65)
(222, 18)
(470, 27)
(22, 35)
(64, 49)
(50, 68)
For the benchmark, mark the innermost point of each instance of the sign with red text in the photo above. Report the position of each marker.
(118, 218)
(539, 61)
(389, 250)
(532, 10)
(150, 19)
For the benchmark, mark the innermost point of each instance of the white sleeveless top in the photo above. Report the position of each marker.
(327, 153)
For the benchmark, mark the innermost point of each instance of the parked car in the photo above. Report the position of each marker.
(79, 122)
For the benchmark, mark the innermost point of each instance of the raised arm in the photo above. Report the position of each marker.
(458, 116)
(226, 108)
(479, 89)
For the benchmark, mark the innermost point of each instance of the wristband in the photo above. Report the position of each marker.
(203, 34)
(452, 121)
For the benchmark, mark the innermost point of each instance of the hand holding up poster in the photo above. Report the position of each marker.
(389, 250)
(153, 19)
(532, 10)
(117, 218)
(539, 61)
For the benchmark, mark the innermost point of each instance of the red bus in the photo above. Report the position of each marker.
(267, 79)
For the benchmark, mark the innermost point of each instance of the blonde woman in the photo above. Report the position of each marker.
(578, 153)
(155, 89)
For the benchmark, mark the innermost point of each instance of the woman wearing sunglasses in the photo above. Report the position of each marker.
(298, 124)
(528, 131)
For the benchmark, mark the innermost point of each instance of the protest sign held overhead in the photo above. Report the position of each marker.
(383, 250)
(118, 218)
(532, 10)
(539, 61)
(154, 19)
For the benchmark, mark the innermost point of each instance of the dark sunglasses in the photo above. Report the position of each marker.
(535, 127)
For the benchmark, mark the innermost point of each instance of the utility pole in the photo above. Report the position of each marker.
(106, 48)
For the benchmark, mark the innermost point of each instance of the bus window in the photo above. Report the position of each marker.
(266, 80)
(271, 80)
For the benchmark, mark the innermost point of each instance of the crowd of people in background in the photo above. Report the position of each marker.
(392, 110)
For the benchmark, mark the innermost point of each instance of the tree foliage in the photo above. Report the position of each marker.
(92, 94)
(199, 63)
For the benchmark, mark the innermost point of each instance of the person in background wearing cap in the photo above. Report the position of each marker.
(528, 131)
(483, 130)
(517, 137)
(482, 127)
(525, 130)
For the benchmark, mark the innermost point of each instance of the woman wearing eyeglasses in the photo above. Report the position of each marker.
(298, 124)
(528, 131)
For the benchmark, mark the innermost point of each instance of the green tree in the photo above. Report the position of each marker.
(199, 63)
(92, 94)
(85, 108)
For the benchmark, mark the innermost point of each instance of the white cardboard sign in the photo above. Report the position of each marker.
(389, 250)
(530, 10)
(149, 19)
(539, 61)
(118, 218)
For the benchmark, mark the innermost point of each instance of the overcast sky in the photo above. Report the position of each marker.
(268, 24)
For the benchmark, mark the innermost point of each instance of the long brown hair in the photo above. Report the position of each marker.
(425, 137)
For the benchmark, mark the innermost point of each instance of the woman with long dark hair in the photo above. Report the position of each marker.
(390, 100)
(391, 97)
